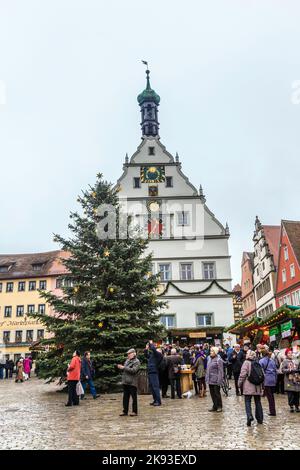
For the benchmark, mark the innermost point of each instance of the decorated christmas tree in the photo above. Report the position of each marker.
(109, 304)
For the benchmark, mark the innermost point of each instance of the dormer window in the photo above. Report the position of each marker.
(169, 181)
(151, 151)
(4, 268)
(37, 266)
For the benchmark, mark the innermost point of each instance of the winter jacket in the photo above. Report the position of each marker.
(237, 360)
(229, 352)
(74, 369)
(243, 382)
(172, 361)
(214, 371)
(87, 369)
(186, 356)
(131, 371)
(270, 371)
(154, 358)
(200, 367)
(291, 372)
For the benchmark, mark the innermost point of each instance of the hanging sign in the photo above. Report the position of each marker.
(286, 334)
(274, 331)
(286, 326)
(198, 334)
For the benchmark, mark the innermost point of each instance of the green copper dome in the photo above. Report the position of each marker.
(148, 94)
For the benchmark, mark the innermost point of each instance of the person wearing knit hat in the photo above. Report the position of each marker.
(291, 371)
(214, 378)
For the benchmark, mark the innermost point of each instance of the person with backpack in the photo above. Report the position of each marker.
(174, 363)
(154, 358)
(250, 381)
(270, 373)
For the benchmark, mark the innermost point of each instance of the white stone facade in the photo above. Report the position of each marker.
(172, 208)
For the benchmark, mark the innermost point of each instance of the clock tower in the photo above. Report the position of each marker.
(189, 245)
(149, 102)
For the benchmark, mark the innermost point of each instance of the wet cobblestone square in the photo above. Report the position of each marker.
(33, 416)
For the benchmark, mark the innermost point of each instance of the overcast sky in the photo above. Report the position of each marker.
(70, 72)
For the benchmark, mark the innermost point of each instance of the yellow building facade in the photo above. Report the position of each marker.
(21, 279)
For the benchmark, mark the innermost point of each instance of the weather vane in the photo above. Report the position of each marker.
(146, 63)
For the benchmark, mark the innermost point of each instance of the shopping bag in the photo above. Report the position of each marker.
(79, 389)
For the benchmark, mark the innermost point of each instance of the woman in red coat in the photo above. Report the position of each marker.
(73, 376)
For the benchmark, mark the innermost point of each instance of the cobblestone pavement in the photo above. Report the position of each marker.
(33, 416)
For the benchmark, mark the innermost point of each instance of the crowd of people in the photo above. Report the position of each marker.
(22, 369)
(256, 371)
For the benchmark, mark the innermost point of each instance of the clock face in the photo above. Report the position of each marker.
(152, 174)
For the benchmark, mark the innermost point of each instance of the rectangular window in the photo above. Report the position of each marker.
(32, 285)
(40, 334)
(136, 182)
(1, 285)
(21, 286)
(283, 275)
(30, 308)
(20, 310)
(209, 271)
(186, 271)
(153, 191)
(204, 319)
(286, 253)
(280, 301)
(169, 181)
(29, 336)
(151, 151)
(292, 270)
(165, 272)
(168, 320)
(7, 312)
(19, 336)
(183, 218)
(42, 308)
(6, 336)
(43, 285)
(9, 287)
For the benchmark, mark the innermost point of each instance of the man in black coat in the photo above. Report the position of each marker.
(174, 362)
(154, 359)
(237, 359)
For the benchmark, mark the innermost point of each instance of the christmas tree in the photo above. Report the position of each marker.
(109, 303)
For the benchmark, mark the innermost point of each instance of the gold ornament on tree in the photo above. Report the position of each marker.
(100, 324)
(106, 253)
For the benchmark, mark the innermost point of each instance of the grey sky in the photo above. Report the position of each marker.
(224, 70)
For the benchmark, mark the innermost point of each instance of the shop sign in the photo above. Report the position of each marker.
(286, 333)
(286, 326)
(198, 334)
(274, 331)
(272, 338)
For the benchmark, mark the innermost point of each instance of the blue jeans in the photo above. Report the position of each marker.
(92, 386)
(258, 408)
(154, 387)
(1, 372)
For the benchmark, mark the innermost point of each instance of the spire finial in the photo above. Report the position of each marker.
(126, 158)
(227, 229)
(177, 157)
(201, 194)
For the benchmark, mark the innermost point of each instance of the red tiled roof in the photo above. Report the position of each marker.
(272, 236)
(292, 229)
(21, 266)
